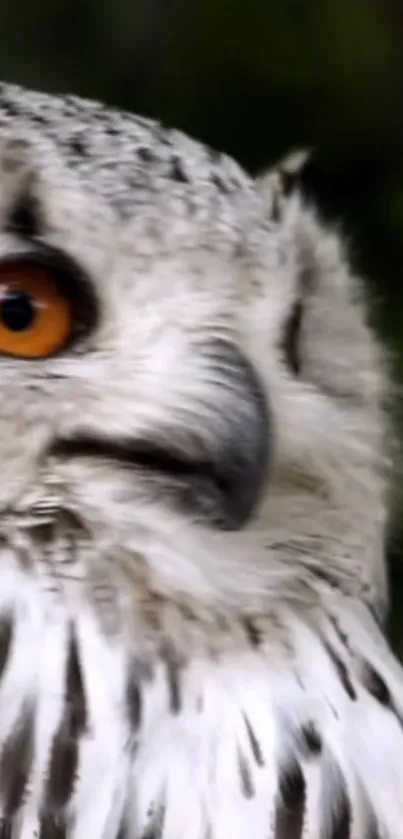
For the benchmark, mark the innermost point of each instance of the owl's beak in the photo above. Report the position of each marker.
(222, 488)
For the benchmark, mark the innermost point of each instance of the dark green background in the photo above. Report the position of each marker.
(254, 78)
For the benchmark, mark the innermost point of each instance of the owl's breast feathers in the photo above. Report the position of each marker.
(294, 732)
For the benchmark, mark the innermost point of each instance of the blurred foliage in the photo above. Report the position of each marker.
(254, 78)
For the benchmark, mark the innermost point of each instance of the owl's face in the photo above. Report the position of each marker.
(181, 350)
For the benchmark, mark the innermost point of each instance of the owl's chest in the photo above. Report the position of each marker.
(99, 740)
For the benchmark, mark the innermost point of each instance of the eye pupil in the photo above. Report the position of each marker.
(17, 310)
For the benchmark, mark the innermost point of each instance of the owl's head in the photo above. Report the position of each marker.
(186, 371)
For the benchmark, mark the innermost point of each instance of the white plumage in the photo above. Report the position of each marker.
(193, 499)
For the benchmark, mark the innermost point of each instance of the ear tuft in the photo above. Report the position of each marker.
(280, 181)
(294, 162)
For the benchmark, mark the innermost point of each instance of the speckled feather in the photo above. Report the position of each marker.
(183, 657)
(132, 163)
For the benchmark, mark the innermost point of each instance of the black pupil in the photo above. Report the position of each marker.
(17, 310)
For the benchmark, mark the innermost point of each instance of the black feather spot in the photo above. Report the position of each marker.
(24, 217)
(290, 809)
(9, 108)
(79, 147)
(378, 688)
(375, 685)
(145, 154)
(311, 738)
(39, 119)
(177, 171)
(252, 632)
(221, 185)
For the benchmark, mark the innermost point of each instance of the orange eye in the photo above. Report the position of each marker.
(36, 319)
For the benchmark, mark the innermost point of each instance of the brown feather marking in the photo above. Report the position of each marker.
(340, 809)
(16, 761)
(6, 828)
(245, 775)
(134, 699)
(6, 637)
(122, 831)
(254, 743)
(290, 341)
(373, 830)
(253, 632)
(52, 828)
(290, 810)
(378, 688)
(343, 673)
(156, 824)
(174, 683)
(64, 755)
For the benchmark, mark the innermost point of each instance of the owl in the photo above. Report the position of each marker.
(195, 470)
